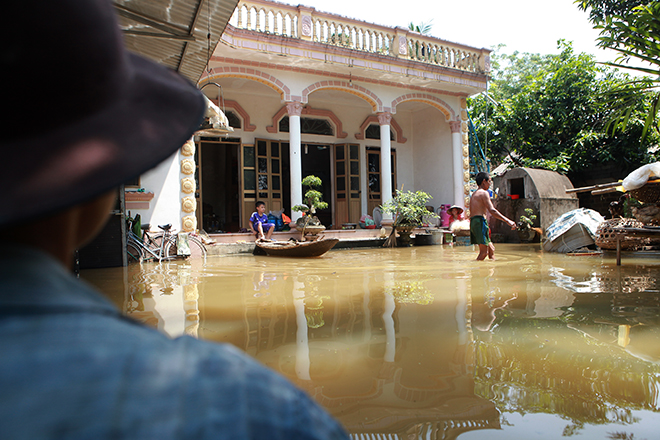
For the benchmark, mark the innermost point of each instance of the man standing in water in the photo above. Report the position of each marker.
(480, 206)
(72, 366)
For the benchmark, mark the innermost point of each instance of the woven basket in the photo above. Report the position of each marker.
(647, 193)
(606, 237)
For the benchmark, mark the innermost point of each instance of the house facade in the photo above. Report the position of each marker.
(367, 108)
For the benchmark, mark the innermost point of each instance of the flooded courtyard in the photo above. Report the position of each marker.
(425, 342)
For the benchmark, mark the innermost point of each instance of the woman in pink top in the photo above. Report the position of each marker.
(455, 213)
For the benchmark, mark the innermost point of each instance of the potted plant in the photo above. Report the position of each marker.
(526, 232)
(313, 199)
(409, 209)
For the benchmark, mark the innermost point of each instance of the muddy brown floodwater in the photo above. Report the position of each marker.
(424, 342)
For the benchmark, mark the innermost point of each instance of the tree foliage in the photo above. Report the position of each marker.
(313, 198)
(601, 10)
(423, 28)
(632, 28)
(408, 207)
(547, 111)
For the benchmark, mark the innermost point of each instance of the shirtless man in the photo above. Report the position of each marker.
(480, 205)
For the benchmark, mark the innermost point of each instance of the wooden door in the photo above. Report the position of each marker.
(348, 197)
(262, 176)
(248, 185)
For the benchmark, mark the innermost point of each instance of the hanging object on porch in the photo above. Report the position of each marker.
(215, 121)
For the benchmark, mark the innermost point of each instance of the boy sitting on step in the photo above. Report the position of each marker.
(259, 222)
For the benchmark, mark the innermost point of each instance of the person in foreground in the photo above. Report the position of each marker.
(72, 367)
(259, 222)
(480, 206)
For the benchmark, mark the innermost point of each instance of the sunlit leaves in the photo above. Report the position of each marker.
(632, 28)
(553, 112)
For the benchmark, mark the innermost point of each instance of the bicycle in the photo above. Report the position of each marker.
(161, 246)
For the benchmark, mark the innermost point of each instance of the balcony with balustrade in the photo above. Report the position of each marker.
(284, 30)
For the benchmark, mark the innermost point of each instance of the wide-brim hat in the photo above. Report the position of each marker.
(460, 210)
(84, 115)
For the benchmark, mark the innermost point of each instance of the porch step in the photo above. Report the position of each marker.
(243, 243)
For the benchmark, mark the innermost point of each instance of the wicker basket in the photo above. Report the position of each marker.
(649, 193)
(606, 237)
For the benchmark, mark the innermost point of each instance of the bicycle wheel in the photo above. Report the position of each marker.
(155, 242)
(133, 252)
(197, 248)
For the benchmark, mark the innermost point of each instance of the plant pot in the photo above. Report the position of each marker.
(526, 235)
(423, 239)
(313, 230)
(404, 236)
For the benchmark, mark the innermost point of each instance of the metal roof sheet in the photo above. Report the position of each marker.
(175, 33)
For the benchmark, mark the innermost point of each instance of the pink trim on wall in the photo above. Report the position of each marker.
(384, 118)
(247, 126)
(309, 111)
(137, 200)
(248, 73)
(393, 124)
(137, 205)
(134, 196)
(326, 73)
(431, 100)
(294, 108)
(348, 87)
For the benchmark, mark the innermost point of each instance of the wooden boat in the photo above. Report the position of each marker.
(299, 249)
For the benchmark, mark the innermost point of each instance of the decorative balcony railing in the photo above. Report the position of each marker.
(306, 23)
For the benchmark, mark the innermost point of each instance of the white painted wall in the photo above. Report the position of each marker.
(433, 156)
(165, 182)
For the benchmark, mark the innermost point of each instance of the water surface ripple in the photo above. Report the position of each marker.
(425, 342)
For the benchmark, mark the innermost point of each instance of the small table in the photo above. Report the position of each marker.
(639, 232)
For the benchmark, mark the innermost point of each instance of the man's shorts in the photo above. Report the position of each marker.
(479, 230)
(265, 226)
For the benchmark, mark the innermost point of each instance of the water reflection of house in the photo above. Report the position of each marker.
(164, 296)
(383, 368)
(367, 108)
(595, 361)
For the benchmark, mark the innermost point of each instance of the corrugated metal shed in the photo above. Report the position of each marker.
(175, 33)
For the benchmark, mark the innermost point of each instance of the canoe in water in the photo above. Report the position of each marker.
(298, 248)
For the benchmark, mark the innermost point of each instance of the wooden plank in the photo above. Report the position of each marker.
(599, 186)
(593, 187)
(603, 191)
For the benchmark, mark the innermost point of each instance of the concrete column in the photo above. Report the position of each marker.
(305, 22)
(461, 311)
(457, 162)
(384, 120)
(399, 46)
(294, 109)
(388, 321)
(366, 309)
(303, 361)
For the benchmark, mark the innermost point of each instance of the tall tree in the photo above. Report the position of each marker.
(600, 10)
(632, 28)
(547, 112)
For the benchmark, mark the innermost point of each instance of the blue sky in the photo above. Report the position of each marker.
(523, 25)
